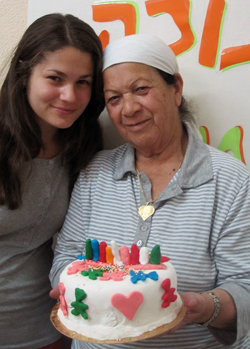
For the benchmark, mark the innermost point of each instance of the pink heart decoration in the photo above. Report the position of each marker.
(129, 305)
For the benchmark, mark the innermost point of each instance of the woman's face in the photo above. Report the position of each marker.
(142, 106)
(59, 88)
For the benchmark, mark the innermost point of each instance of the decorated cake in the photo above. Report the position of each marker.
(114, 293)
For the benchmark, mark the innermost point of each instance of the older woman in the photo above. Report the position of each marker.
(166, 186)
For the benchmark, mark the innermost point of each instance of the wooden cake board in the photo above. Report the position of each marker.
(74, 335)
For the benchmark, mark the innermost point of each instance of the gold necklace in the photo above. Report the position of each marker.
(148, 210)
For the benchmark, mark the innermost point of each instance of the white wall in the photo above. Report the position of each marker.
(220, 98)
(13, 19)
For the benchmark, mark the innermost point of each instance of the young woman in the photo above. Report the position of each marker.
(49, 106)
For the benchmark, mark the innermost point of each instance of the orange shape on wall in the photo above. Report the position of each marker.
(235, 55)
(211, 33)
(108, 12)
(179, 10)
(104, 37)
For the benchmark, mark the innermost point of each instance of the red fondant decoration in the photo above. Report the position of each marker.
(134, 257)
(63, 304)
(168, 296)
(102, 252)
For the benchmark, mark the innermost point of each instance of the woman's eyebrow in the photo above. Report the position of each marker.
(64, 75)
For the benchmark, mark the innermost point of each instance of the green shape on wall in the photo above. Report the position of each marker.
(205, 134)
(233, 140)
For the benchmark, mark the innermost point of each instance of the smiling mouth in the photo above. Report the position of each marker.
(64, 110)
(137, 124)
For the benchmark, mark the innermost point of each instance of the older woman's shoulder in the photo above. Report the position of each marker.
(227, 161)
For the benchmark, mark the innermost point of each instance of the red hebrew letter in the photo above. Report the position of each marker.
(211, 33)
(179, 10)
(128, 13)
(235, 55)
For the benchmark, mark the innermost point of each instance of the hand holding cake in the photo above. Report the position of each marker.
(201, 310)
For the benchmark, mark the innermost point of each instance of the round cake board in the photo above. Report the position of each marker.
(74, 335)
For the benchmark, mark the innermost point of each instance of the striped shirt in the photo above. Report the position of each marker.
(201, 222)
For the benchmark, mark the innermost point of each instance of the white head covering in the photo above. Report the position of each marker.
(141, 48)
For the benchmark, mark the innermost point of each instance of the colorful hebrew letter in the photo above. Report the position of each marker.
(233, 140)
(180, 12)
(104, 37)
(211, 33)
(232, 56)
(205, 134)
(126, 11)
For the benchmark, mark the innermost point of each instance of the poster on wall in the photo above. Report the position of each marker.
(211, 41)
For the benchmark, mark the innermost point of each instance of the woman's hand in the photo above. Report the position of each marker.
(54, 293)
(200, 308)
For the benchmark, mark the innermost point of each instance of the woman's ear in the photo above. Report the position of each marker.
(178, 89)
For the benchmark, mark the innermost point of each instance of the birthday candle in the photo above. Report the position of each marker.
(155, 257)
(116, 252)
(88, 249)
(134, 257)
(109, 255)
(125, 255)
(102, 252)
(144, 255)
(95, 250)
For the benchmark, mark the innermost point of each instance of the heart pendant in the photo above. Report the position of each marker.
(146, 211)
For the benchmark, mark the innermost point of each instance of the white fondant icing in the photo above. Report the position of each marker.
(109, 319)
(106, 322)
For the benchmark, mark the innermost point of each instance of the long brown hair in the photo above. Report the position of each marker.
(20, 135)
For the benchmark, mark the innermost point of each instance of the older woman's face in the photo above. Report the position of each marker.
(142, 106)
